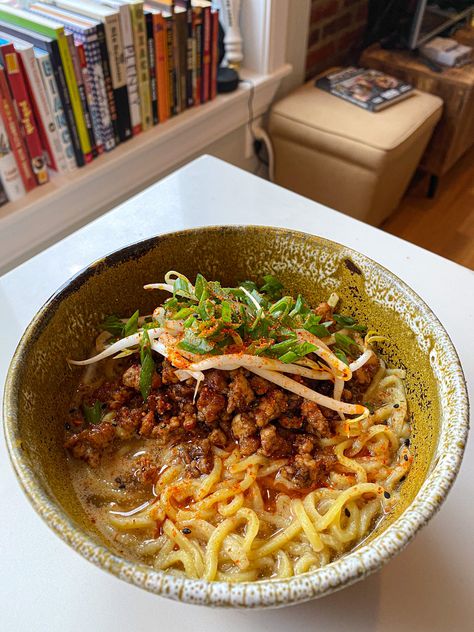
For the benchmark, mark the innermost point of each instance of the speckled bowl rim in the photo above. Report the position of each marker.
(265, 593)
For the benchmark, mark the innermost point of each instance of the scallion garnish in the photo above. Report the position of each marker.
(93, 414)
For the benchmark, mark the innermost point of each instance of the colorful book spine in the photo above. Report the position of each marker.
(152, 65)
(109, 90)
(197, 53)
(172, 96)
(10, 120)
(214, 53)
(56, 107)
(131, 69)
(87, 82)
(46, 124)
(50, 46)
(24, 108)
(140, 40)
(162, 74)
(206, 54)
(54, 31)
(181, 55)
(82, 92)
(9, 173)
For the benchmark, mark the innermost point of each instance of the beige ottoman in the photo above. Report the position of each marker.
(355, 161)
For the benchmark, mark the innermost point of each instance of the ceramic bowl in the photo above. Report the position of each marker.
(40, 384)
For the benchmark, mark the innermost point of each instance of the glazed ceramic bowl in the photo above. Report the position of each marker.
(40, 385)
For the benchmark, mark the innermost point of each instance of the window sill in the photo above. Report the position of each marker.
(69, 201)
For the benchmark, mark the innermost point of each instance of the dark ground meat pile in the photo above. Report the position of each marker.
(231, 408)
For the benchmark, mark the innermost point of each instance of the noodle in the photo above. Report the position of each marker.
(229, 514)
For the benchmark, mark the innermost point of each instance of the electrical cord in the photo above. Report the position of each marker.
(259, 135)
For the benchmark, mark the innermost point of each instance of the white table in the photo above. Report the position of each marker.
(44, 585)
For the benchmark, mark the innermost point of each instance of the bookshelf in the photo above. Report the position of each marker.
(68, 201)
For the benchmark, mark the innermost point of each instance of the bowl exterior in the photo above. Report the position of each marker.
(40, 384)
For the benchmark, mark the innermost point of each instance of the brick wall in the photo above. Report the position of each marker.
(336, 33)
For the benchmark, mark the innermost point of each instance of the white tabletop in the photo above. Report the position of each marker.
(44, 585)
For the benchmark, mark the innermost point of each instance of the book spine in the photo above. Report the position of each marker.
(172, 97)
(180, 19)
(91, 104)
(197, 53)
(95, 70)
(24, 110)
(140, 40)
(161, 56)
(10, 120)
(60, 77)
(108, 81)
(9, 172)
(47, 129)
(190, 66)
(152, 66)
(57, 110)
(82, 93)
(214, 53)
(206, 55)
(131, 69)
(46, 124)
(74, 96)
(113, 38)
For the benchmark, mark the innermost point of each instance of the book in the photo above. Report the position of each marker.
(55, 31)
(206, 52)
(89, 94)
(190, 57)
(369, 89)
(9, 173)
(46, 124)
(56, 107)
(176, 20)
(152, 64)
(162, 73)
(3, 195)
(198, 26)
(49, 45)
(130, 62)
(12, 126)
(85, 33)
(140, 40)
(113, 36)
(24, 108)
(214, 53)
(82, 91)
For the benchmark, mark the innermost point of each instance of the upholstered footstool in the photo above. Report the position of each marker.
(352, 160)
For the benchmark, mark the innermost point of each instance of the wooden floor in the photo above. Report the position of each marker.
(444, 224)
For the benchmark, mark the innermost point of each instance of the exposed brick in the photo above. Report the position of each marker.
(320, 55)
(351, 39)
(323, 9)
(338, 24)
(313, 37)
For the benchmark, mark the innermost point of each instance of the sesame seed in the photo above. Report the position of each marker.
(402, 479)
(347, 512)
(407, 442)
(386, 494)
(186, 531)
(406, 457)
(396, 405)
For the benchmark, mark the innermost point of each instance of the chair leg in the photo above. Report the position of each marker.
(432, 186)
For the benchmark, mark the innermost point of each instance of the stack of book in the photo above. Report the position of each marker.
(79, 77)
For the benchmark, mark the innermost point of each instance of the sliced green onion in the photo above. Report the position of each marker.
(93, 414)
(345, 343)
(226, 313)
(347, 322)
(281, 308)
(114, 325)
(272, 286)
(200, 286)
(193, 344)
(312, 324)
(289, 357)
(183, 313)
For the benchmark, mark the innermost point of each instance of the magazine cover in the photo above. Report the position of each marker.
(369, 89)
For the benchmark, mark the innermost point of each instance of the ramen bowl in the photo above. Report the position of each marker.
(40, 385)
